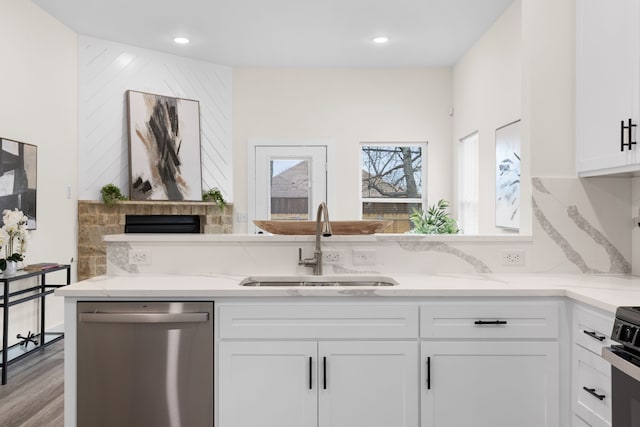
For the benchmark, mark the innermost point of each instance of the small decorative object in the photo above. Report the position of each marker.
(13, 238)
(214, 195)
(164, 147)
(18, 176)
(508, 176)
(110, 194)
(435, 221)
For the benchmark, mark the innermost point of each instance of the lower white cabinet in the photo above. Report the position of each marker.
(490, 384)
(309, 383)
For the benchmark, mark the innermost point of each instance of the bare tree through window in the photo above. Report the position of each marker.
(392, 182)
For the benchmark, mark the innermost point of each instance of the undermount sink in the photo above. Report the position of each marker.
(278, 281)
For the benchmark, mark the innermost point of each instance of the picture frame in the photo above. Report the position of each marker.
(18, 179)
(508, 156)
(164, 147)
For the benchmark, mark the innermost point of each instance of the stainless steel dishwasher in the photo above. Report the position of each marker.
(145, 364)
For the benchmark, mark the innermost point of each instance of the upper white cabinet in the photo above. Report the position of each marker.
(607, 86)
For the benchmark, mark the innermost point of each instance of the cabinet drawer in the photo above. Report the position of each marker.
(318, 321)
(491, 320)
(591, 329)
(594, 373)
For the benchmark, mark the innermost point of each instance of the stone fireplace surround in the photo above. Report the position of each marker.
(95, 220)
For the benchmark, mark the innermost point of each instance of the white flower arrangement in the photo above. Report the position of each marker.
(13, 236)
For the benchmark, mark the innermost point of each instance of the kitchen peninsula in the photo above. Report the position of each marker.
(435, 341)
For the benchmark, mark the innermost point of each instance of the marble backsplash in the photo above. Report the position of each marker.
(579, 226)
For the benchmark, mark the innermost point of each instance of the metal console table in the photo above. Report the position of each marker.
(11, 354)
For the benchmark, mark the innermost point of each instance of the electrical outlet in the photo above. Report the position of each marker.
(513, 257)
(242, 217)
(364, 257)
(139, 257)
(333, 256)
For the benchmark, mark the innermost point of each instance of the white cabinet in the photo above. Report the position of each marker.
(368, 384)
(325, 374)
(607, 86)
(591, 374)
(267, 384)
(502, 370)
(489, 384)
(450, 363)
(330, 384)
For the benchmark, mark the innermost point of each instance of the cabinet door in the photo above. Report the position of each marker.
(490, 384)
(267, 384)
(368, 384)
(607, 79)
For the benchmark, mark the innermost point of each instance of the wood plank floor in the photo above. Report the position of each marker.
(33, 395)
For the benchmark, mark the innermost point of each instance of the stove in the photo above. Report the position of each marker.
(625, 367)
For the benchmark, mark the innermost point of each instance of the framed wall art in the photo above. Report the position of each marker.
(164, 147)
(18, 178)
(508, 176)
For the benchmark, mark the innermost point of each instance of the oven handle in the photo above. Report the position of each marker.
(609, 354)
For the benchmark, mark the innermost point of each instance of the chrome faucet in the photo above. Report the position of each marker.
(324, 230)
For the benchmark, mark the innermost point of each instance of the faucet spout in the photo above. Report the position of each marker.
(323, 228)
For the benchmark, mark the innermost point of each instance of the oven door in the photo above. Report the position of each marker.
(625, 386)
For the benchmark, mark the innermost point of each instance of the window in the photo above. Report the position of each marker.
(289, 179)
(468, 194)
(392, 182)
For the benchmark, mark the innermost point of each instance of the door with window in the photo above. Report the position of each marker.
(290, 181)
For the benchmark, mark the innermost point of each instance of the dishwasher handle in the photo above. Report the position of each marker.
(124, 317)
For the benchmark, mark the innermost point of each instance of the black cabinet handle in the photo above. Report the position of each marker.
(592, 334)
(310, 373)
(324, 373)
(428, 373)
(592, 392)
(490, 322)
(629, 129)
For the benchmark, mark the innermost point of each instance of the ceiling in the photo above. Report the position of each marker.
(289, 33)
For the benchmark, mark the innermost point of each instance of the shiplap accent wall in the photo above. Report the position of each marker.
(106, 71)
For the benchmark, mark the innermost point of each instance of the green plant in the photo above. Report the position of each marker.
(435, 221)
(214, 195)
(110, 194)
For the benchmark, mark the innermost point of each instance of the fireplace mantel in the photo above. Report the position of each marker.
(95, 220)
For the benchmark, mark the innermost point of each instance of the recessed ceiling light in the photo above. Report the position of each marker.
(180, 40)
(381, 40)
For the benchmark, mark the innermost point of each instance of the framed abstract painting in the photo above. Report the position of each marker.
(164, 147)
(18, 178)
(508, 176)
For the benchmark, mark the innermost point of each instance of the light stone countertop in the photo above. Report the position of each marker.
(606, 292)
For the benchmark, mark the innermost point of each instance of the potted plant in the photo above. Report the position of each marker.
(111, 194)
(214, 195)
(13, 239)
(435, 221)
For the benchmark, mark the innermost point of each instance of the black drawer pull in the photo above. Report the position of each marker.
(310, 373)
(490, 322)
(324, 373)
(592, 334)
(428, 373)
(592, 392)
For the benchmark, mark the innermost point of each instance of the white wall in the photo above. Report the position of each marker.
(38, 83)
(487, 94)
(107, 71)
(349, 106)
(548, 43)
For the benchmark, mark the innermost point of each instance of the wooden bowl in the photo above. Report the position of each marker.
(309, 227)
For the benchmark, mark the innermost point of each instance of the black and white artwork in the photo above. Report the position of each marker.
(508, 176)
(164, 147)
(18, 176)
